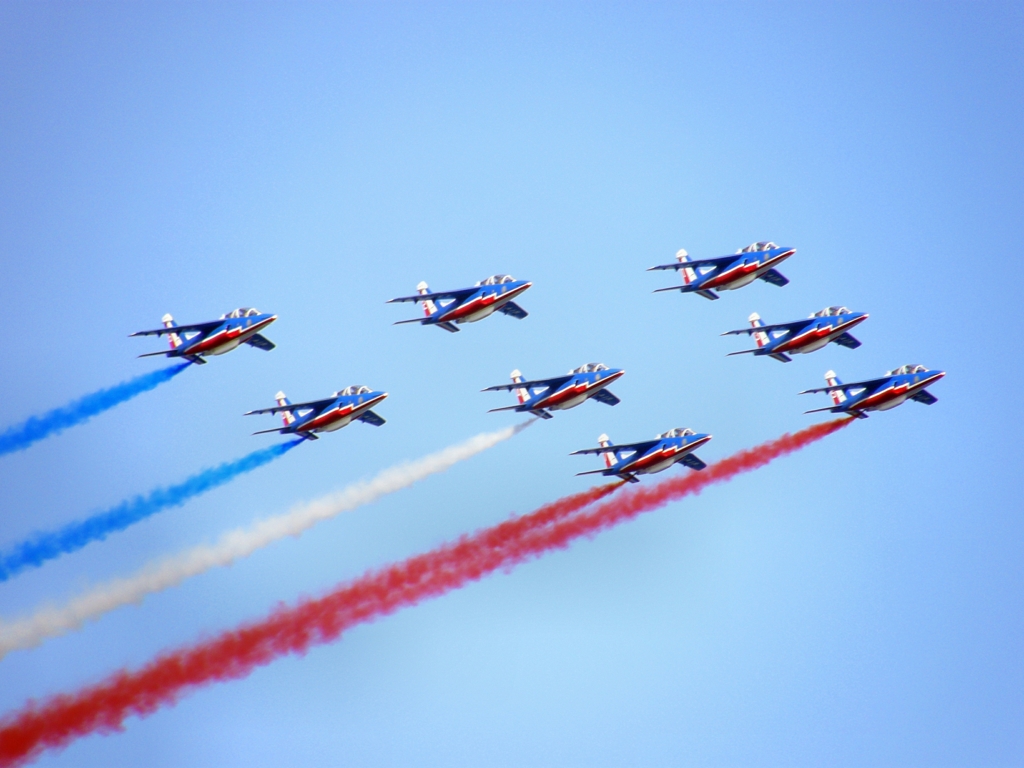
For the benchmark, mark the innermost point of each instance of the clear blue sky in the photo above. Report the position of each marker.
(857, 604)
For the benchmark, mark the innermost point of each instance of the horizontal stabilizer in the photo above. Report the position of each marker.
(707, 294)
(315, 405)
(822, 410)
(924, 396)
(450, 327)
(606, 397)
(372, 418)
(260, 342)
(782, 357)
(414, 320)
(594, 472)
(846, 340)
(743, 352)
(201, 327)
(692, 462)
(774, 277)
(435, 295)
(625, 448)
(846, 387)
(154, 354)
(555, 382)
(513, 310)
(268, 431)
(718, 261)
(673, 288)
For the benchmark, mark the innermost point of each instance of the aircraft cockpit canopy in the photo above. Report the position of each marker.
(590, 368)
(764, 245)
(831, 312)
(678, 432)
(497, 280)
(355, 389)
(904, 369)
(240, 312)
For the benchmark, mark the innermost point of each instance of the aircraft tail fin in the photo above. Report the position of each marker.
(522, 393)
(429, 307)
(610, 459)
(174, 338)
(688, 273)
(286, 416)
(838, 396)
(759, 336)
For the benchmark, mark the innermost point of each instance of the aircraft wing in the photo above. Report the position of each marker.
(796, 324)
(260, 342)
(555, 382)
(639, 447)
(372, 418)
(460, 294)
(774, 277)
(721, 261)
(692, 462)
(513, 310)
(853, 385)
(926, 397)
(201, 327)
(315, 405)
(606, 397)
(846, 340)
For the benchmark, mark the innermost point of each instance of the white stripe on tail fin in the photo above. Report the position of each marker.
(286, 416)
(521, 392)
(174, 338)
(688, 274)
(609, 456)
(760, 336)
(838, 396)
(429, 307)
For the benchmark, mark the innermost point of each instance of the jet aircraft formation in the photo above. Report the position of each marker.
(541, 397)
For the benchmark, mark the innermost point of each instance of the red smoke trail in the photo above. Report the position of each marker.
(104, 707)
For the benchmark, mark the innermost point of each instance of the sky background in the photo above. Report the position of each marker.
(858, 603)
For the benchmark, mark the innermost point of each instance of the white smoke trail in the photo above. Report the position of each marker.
(52, 621)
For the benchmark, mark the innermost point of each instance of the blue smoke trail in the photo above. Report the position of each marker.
(40, 547)
(35, 428)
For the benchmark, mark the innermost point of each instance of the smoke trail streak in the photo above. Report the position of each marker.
(242, 542)
(103, 707)
(35, 428)
(40, 547)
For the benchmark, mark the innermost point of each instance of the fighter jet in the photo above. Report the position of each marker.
(726, 273)
(468, 305)
(192, 342)
(337, 411)
(802, 336)
(907, 381)
(675, 446)
(561, 392)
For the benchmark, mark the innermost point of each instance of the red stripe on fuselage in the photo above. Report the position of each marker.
(575, 390)
(743, 270)
(892, 392)
(224, 336)
(479, 303)
(814, 334)
(336, 414)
